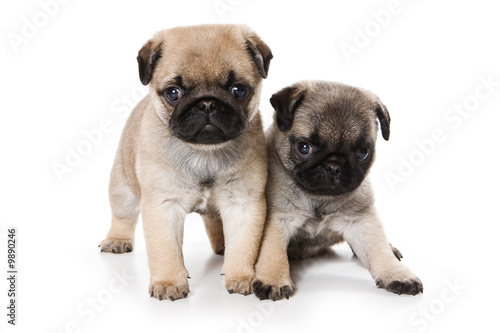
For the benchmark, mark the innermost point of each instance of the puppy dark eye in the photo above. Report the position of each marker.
(363, 154)
(239, 91)
(304, 149)
(173, 94)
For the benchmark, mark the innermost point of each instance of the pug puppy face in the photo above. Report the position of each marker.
(328, 134)
(205, 96)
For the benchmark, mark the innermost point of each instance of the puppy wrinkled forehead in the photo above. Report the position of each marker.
(337, 114)
(210, 53)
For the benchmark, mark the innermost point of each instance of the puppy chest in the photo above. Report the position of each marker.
(312, 237)
(202, 203)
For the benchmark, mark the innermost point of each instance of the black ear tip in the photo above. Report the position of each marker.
(143, 71)
(260, 52)
(385, 121)
(285, 102)
(267, 62)
(386, 131)
(147, 59)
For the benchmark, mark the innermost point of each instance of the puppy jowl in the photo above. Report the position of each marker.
(193, 145)
(321, 147)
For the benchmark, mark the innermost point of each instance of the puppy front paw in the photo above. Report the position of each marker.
(408, 287)
(239, 286)
(166, 290)
(273, 292)
(401, 283)
(117, 245)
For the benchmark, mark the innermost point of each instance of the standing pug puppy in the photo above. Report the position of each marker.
(320, 150)
(194, 144)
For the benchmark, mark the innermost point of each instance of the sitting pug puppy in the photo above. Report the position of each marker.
(320, 149)
(194, 144)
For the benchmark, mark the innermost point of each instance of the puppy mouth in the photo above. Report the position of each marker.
(197, 124)
(332, 187)
(324, 182)
(209, 127)
(209, 134)
(332, 190)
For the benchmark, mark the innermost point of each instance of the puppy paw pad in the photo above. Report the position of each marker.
(272, 292)
(164, 290)
(406, 287)
(116, 245)
(243, 287)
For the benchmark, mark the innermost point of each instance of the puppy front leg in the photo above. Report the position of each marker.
(367, 239)
(272, 271)
(163, 230)
(242, 224)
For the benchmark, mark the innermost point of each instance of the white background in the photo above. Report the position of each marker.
(79, 68)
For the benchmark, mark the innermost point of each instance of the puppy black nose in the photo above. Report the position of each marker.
(334, 169)
(207, 105)
(335, 165)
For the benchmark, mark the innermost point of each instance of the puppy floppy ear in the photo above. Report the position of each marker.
(381, 112)
(148, 58)
(285, 102)
(259, 51)
(384, 118)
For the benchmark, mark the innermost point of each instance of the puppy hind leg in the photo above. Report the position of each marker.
(125, 213)
(215, 232)
(396, 252)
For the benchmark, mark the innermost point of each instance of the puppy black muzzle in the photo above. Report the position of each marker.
(207, 120)
(332, 176)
